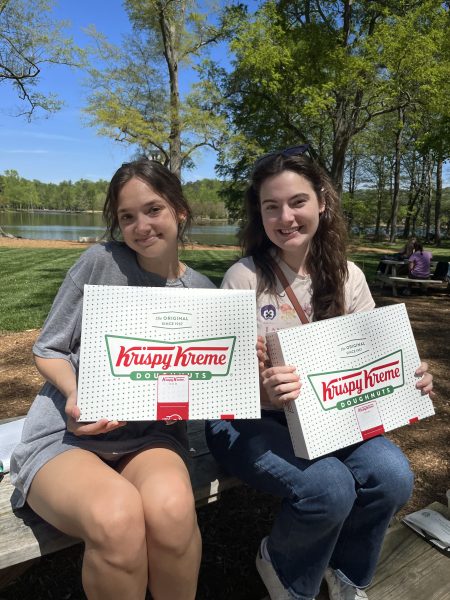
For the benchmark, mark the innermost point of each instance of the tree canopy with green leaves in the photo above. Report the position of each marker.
(29, 40)
(322, 71)
(136, 95)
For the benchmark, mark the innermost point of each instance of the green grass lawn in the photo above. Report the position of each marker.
(30, 278)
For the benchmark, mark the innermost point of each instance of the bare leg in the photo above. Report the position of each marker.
(173, 536)
(85, 498)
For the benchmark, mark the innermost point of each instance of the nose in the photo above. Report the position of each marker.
(286, 214)
(142, 223)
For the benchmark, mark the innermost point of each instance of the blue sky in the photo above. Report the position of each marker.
(61, 147)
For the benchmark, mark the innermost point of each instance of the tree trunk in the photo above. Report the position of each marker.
(438, 201)
(340, 146)
(381, 182)
(169, 36)
(4, 234)
(411, 197)
(420, 200)
(378, 217)
(395, 196)
(428, 202)
(391, 192)
(351, 190)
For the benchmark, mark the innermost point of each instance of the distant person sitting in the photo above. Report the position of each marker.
(407, 249)
(419, 262)
(402, 254)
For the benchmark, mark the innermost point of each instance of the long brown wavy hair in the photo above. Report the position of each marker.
(326, 261)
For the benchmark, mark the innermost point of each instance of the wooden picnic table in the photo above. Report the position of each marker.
(391, 277)
(392, 266)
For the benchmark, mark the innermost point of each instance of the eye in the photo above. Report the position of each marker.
(298, 202)
(125, 217)
(154, 209)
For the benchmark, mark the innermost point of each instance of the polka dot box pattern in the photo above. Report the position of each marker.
(164, 353)
(357, 374)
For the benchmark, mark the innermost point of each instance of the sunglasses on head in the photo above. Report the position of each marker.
(290, 151)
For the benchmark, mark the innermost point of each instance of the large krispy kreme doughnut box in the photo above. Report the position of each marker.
(357, 374)
(168, 354)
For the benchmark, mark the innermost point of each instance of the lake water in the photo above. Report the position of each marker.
(47, 225)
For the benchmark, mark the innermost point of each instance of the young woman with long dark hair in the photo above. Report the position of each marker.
(335, 509)
(123, 488)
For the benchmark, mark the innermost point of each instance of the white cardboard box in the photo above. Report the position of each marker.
(357, 374)
(164, 353)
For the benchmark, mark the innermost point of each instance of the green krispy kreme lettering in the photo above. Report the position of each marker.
(153, 375)
(367, 397)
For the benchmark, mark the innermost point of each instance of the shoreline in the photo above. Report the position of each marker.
(7, 242)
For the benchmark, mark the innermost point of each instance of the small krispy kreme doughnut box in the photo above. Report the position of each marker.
(168, 354)
(357, 374)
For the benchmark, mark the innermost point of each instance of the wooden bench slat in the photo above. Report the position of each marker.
(394, 281)
(410, 567)
(25, 536)
(409, 280)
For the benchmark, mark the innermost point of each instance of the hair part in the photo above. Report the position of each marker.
(326, 260)
(165, 183)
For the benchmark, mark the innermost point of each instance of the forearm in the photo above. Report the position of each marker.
(59, 372)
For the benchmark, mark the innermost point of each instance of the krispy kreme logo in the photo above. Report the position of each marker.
(142, 359)
(344, 389)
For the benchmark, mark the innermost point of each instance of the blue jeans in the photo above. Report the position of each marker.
(335, 509)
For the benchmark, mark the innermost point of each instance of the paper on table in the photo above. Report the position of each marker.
(432, 526)
(10, 434)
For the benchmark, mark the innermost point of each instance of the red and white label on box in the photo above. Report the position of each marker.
(369, 420)
(172, 398)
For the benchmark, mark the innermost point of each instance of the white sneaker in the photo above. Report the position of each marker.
(339, 590)
(276, 589)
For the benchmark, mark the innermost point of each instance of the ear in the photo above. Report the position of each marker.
(322, 202)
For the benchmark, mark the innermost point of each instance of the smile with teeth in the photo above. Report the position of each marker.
(289, 231)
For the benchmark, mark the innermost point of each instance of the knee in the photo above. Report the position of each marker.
(331, 493)
(338, 499)
(393, 479)
(171, 518)
(117, 529)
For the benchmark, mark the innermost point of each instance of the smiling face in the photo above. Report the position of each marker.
(149, 226)
(290, 211)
